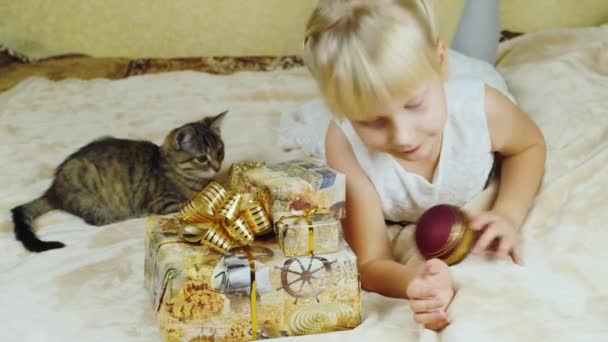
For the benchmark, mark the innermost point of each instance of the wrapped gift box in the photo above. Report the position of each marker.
(305, 233)
(296, 185)
(250, 292)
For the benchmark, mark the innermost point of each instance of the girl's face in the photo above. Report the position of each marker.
(410, 128)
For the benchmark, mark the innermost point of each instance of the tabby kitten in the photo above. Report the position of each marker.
(111, 180)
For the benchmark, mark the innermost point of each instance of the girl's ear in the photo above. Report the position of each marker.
(442, 56)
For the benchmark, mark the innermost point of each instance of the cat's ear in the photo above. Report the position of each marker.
(215, 122)
(183, 138)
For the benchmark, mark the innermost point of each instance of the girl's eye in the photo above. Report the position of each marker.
(201, 159)
(378, 123)
(413, 105)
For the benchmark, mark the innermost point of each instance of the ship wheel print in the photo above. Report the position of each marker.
(305, 276)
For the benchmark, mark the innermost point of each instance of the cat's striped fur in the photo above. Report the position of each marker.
(110, 180)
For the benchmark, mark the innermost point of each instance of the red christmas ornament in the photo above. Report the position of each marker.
(442, 233)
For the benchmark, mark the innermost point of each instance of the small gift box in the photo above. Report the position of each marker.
(309, 232)
(250, 292)
(296, 185)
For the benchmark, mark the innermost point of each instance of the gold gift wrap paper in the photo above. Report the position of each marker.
(202, 295)
(297, 184)
(307, 233)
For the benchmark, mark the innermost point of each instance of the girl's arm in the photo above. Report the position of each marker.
(364, 226)
(428, 286)
(521, 144)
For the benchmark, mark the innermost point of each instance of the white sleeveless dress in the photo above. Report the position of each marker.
(464, 164)
(466, 158)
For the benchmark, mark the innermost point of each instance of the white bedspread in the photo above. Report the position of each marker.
(92, 290)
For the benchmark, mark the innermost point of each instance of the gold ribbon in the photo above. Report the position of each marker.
(252, 294)
(194, 233)
(314, 211)
(237, 169)
(223, 220)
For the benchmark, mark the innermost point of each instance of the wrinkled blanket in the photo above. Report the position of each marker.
(92, 290)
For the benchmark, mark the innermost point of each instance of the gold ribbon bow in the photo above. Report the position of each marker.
(314, 211)
(223, 220)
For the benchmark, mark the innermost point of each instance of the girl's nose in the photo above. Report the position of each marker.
(403, 134)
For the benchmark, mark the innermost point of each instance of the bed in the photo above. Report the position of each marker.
(92, 290)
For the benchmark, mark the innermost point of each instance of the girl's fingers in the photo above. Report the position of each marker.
(516, 256)
(426, 305)
(420, 290)
(486, 239)
(432, 267)
(433, 320)
(504, 248)
(480, 221)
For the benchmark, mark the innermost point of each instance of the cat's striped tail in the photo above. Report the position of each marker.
(23, 216)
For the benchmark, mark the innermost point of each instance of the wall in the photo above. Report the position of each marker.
(164, 28)
(184, 28)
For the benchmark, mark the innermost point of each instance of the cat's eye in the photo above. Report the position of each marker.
(201, 159)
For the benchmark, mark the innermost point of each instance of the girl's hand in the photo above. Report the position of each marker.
(498, 236)
(430, 293)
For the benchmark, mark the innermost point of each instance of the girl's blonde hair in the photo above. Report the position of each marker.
(364, 53)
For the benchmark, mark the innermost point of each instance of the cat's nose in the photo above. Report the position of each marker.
(215, 166)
